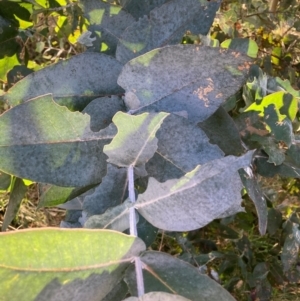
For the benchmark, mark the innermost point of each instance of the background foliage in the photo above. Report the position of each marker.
(253, 254)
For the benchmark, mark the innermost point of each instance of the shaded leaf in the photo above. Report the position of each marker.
(282, 129)
(274, 220)
(111, 192)
(50, 273)
(115, 218)
(135, 140)
(166, 25)
(255, 193)
(181, 146)
(50, 144)
(196, 199)
(107, 23)
(140, 8)
(73, 83)
(118, 293)
(165, 273)
(169, 79)
(289, 168)
(102, 110)
(146, 231)
(243, 45)
(51, 195)
(290, 252)
(5, 180)
(221, 130)
(157, 296)
(16, 196)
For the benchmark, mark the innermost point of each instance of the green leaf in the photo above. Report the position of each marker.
(115, 218)
(165, 273)
(166, 25)
(282, 129)
(50, 144)
(73, 83)
(284, 102)
(140, 8)
(6, 64)
(255, 193)
(102, 110)
(111, 192)
(155, 296)
(5, 180)
(290, 252)
(243, 45)
(169, 79)
(107, 23)
(182, 145)
(196, 199)
(274, 220)
(17, 194)
(36, 264)
(221, 130)
(135, 142)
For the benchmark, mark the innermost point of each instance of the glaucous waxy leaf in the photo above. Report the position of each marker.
(70, 265)
(73, 83)
(111, 192)
(140, 8)
(50, 144)
(189, 79)
(166, 25)
(158, 296)
(165, 273)
(107, 23)
(210, 191)
(181, 146)
(115, 218)
(102, 110)
(135, 142)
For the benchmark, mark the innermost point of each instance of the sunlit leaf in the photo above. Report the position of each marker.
(192, 79)
(73, 83)
(210, 191)
(47, 271)
(50, 144)
(166, 25)
(135, 142)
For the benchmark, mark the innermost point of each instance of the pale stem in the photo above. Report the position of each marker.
(133, 231)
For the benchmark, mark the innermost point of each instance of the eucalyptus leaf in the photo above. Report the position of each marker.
(50, 144)
(165, 273)
(221, 130)
(255, 193)
(102, 110)
(17, 194)
(107, 22)
(5, 180)
(158, 296)
(135, 142)
(181, 146)
(290, 252)
(166, 25)
(115, 218)
(50, 273)
(73, 83)
(140, 8)
(197, 198)
(247, 46)
(274, 220)
(111, 192)
(190, 79)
